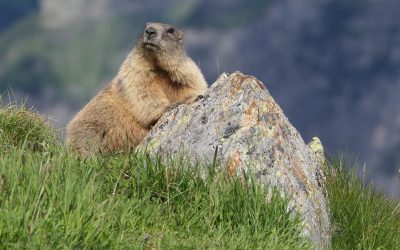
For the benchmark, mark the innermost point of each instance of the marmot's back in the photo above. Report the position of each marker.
(104, 125)
(156, 75)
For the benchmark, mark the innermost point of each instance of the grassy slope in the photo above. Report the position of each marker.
(50, 199)
(362, 217)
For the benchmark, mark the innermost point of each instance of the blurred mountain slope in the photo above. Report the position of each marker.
(13, 11)
(333, 65)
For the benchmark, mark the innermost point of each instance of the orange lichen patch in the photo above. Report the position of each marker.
(252, 109)
(260, 84)
(238, 80)
(233, 163)
(237, 83)
(272, 107)
(251, 115)
(171, 116)
(299, 174)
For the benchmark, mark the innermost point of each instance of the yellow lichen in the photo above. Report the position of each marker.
(183, 120)
(154, 143)
(263, 108)
(317, 148)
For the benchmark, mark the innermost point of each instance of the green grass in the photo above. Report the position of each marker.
(20, 126)
(362, 217)
(50, 199)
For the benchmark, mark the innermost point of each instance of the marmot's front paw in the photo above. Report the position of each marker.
(198, 98)
(193, 99)
(172, 106)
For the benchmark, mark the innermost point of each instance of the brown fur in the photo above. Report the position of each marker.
(149, 82)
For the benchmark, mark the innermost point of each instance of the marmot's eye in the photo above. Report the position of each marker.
(171, 30)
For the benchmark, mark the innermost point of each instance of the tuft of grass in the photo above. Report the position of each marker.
(361, 216)
(22, 126)
(57, 201)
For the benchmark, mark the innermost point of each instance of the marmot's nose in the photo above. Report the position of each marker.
(150, 32)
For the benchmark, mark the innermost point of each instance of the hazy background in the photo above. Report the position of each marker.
(333, 65)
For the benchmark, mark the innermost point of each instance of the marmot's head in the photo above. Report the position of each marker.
(161, 38)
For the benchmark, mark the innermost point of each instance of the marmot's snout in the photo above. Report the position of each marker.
(151, 37)
(150, 33)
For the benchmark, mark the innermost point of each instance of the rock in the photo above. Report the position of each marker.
(239, 121)
(317, 148)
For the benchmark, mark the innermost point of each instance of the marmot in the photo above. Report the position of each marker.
(156, 75)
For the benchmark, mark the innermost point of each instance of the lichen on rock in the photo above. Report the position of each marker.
(240, 122)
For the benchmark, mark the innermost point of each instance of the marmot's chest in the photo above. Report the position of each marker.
(162, 82)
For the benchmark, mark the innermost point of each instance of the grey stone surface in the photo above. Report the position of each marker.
(240, 120)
